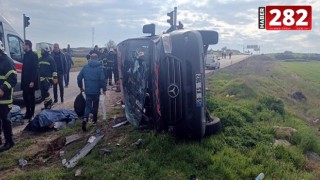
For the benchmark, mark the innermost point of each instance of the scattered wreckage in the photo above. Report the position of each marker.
(163, 80)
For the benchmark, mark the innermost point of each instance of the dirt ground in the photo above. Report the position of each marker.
(38, 150)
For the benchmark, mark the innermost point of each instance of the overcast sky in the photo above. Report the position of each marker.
(71, 21)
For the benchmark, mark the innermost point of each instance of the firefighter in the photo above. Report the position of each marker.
(48, 75)
(112, 57)
(8, 79)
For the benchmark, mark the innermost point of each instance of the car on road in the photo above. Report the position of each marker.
(13, 45)
(212, 62)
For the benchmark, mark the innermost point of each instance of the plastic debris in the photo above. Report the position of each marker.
(260, 176)
(62, 153)
(91, 139)
(78, 172)
(138, 143)
(22, 162)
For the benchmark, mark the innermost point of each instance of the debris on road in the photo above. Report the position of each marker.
(72, 138)
(16, 115)
(78, 172)
(92, 141)
(62, 153)
(22, 162)
(138, 143)
(120, 124)
(260, 176)
(105, 151)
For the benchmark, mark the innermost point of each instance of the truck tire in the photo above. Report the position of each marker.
(213, 126)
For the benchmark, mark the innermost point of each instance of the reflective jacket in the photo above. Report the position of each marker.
(8, 79)
(47, 68)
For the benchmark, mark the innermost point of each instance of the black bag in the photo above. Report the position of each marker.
(80, 105)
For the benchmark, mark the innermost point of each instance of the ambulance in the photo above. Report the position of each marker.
(13, 44)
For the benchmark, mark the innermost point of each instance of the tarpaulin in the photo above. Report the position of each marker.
(45, 119)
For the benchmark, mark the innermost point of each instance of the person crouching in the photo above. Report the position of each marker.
(93, 76)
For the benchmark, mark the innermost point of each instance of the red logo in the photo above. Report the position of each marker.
(285, 17)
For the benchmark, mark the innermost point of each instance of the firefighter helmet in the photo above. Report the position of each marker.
(44, 47)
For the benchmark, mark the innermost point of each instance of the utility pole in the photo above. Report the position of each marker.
(92, 37)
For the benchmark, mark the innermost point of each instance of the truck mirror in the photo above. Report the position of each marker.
(209, 37)
(150, 29)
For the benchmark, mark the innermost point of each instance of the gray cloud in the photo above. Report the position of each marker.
(71, 21)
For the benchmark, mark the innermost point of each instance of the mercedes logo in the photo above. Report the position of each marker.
(173, 91)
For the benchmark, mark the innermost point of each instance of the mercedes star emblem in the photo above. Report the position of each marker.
(173, 91)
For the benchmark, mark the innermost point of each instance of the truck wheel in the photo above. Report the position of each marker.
(213, 126)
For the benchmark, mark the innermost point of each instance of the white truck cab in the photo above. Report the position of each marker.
(13, 44)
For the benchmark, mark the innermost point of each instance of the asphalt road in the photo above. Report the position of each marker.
(227, 62)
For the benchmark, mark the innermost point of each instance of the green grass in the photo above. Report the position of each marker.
(306, 70)
(79, 62)
(241, 151)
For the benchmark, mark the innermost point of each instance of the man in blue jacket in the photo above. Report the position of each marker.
(93, 76)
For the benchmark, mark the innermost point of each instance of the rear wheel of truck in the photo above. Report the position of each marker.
(213, 126)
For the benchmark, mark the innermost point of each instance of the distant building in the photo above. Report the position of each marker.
(38, 45)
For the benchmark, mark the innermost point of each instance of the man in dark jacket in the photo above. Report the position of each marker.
(61, 63)
(69, 50)
(8, 79)
(103, 60)
(96, 51)
(115, 67)
(69, 65)
(112, 57)
(93, 76)
(29, 79)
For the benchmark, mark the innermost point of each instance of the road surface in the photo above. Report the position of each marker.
(227, 62)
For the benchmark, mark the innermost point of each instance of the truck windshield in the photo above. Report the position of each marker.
(135, 78)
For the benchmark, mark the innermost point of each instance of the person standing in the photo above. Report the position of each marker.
(61, 63)
(93, 76)
(8, 79)
(115, 67)
(69, 50)
(112, 57)
(96, 51)
(48, 75)
(29, 79)
(69, 65)
(103, 60)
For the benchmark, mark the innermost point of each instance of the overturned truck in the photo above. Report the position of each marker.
(163, 81)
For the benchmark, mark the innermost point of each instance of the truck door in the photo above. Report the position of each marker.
(15, 45)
